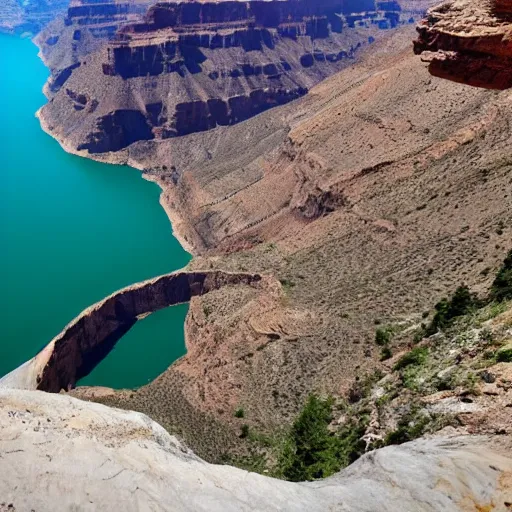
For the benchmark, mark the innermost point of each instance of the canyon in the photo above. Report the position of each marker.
(192, 67)
(359, 204)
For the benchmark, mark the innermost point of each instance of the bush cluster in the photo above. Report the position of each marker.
(501, 288)
(312, 451)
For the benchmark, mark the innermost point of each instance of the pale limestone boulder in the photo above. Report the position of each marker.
(58, 453)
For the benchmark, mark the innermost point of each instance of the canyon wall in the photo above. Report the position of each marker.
(89, 338)
(191, 67)
(469, 42)
(83, 29)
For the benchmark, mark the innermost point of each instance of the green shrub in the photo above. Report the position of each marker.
(287, 283)
(501, 288)
(416, 357)
(410, 427)
(239, 413)
(504, 355)
(311, 451)
(382, 336)
(419, 333)
(385, 354)
(244, 431)
(461, 303)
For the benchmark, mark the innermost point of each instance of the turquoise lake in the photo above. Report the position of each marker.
(71, 232)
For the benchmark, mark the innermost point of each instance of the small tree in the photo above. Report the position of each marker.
(382, 336)
(309, 453)
(461, 303)
(501, 288)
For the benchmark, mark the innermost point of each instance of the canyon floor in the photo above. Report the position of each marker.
(363, 204)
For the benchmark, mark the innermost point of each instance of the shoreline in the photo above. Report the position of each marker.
(124, 159)
(121, 158)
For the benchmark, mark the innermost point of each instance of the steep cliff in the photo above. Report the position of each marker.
(61, 454)
(470, 42)
(84, 28)
(334, 195)
(191, 67)
(76, 351)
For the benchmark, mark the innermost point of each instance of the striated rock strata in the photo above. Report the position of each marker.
(84, 28)
(76, 351)
(469, 41)
(60, 454)
(191, 67)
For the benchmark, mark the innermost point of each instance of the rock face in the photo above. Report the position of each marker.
(469, 41)
(86, 25)
(59, 454)
(191, 67)
(76, 351)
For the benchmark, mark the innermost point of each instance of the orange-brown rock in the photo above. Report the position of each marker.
(469, 41)
(189, 67)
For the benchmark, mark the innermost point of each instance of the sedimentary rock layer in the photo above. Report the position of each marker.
(75, 352)
(192, 66)
(469, 41)
(61, 454)
(86, 25)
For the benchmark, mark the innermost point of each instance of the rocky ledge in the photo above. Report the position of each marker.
(469, 41)
(65, 454)
(84, 342)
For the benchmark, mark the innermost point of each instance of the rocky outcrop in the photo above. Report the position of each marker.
(60, 454)
(191, 66)
(83, 28)
(469, 41)
(83, 343)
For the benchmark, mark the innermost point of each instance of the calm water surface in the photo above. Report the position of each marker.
(71, 232)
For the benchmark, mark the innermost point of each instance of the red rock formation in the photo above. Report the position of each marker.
(469, 41)
(191, 66)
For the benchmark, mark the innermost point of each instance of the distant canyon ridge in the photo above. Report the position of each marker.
(124, 72)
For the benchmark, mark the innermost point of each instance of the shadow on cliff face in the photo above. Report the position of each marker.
(86, 341)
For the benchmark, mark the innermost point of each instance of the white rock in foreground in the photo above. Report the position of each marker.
(58, 453)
